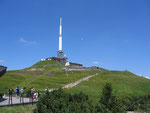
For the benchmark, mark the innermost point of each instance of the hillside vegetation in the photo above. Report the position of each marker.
(125, 84)
(49, 74)
(18, 109)
(44, 74)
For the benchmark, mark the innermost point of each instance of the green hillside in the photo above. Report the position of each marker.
(49, 74)
(41, 75)
(124, 84)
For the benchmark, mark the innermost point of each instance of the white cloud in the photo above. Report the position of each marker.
(1, 61)
(147, 77)
(95, 62)
(139, 74)
(143, 76)
(27, 42)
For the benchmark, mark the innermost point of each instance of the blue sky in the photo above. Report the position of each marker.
(113, 34)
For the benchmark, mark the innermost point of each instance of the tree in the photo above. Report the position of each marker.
(109, 103)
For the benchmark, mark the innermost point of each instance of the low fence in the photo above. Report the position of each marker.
(7, 99)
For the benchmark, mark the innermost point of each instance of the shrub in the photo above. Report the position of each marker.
(60, 102)
(109, 103)
(138, 103)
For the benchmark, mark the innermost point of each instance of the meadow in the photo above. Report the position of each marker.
(18, 109)
(49, 74)
(44, 74)
(124, 84)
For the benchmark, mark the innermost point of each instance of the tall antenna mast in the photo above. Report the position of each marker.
(60, 35)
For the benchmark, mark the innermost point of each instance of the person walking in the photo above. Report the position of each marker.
(32, 92)
(17, 92)
(10, 95)
(21, 98)
(22, 91)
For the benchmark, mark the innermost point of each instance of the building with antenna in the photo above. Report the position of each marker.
(61, 57)
(60, 52)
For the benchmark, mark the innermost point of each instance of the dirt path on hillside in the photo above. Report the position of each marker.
(76, 82)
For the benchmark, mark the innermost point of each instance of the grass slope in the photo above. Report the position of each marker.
(18, 109)
(41, 75)
(124, 84)
(50, 74)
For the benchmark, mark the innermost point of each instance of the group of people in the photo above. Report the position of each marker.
(20, 92)
(17, 91)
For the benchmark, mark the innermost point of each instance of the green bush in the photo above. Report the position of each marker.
(109, 103)
(138, 103)
(60, 102)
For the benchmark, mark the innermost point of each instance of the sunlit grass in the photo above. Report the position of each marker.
(52, 77)
(124, 84)
(18, 109)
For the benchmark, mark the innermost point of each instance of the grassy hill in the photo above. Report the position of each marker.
(124, 84)
(49, 74)
(41, 75)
